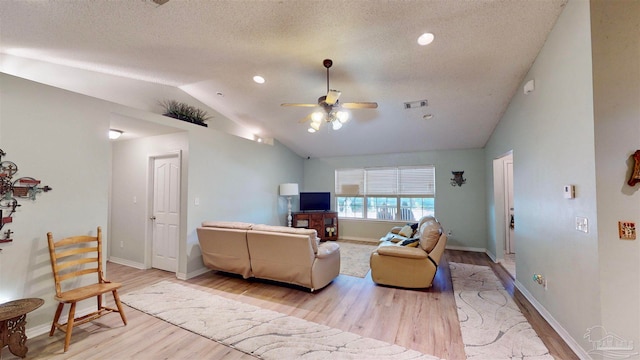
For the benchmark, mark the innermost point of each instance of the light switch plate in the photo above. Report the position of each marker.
(627, 230)
(569, 191)
(582, 224)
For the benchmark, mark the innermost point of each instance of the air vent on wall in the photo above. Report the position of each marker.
(415, 104)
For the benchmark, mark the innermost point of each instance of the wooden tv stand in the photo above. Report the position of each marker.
(324, 222)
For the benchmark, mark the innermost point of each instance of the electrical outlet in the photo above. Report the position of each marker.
(449, 233)
(121, 244)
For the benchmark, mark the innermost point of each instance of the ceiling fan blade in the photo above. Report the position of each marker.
(332, 96)
(360, 105)
(299, 105)
(305, 119)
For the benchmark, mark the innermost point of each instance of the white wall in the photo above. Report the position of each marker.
(59, 138)
(551, 133)
(236, 179)
(616, 77)
(460, 209)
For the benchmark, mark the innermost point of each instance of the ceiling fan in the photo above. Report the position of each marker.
(331, 108)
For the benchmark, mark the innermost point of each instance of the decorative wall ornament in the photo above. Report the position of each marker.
(457, 178)
(635, 173)
(24, 187)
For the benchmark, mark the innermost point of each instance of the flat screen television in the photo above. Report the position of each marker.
(315, 201)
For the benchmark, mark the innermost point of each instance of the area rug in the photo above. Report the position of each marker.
(354, 258)
(259, 332)
(492, 326)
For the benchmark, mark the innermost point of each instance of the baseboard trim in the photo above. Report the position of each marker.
(465, 248)
(187, 276)
(45, 328)
(359, 239)
(573, 344)
(491, 256)
(126, 262)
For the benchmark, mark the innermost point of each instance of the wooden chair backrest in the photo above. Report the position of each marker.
(74, 257)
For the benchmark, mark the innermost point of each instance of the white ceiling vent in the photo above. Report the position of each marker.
(415, 104)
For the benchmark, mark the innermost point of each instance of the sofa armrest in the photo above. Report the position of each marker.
(402, 251)
(326, 249)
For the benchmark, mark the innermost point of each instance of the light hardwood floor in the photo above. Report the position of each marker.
(423, 320)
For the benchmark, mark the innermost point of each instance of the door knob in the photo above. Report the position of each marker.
(152, 218)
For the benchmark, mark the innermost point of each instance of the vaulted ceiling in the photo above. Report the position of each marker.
(212, 49)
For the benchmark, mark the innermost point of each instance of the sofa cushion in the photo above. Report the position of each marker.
(430, 231)
(406, 231)
(291, 230)
(228, 224)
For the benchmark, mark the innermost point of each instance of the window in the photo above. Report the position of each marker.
(386, 193)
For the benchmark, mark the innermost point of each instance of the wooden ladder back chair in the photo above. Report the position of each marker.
(71, 259)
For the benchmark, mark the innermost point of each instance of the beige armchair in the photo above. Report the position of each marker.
(409, 261)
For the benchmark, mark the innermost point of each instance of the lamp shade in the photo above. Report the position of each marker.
(289, 189)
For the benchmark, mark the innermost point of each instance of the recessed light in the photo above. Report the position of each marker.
(427, 116)
(425, 39)
(258, 79)
(220, 94)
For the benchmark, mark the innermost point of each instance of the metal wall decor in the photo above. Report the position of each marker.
(457, 178)
(635, 172)
(24, 187)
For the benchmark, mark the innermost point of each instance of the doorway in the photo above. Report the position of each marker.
(164, 201)
(505, 217)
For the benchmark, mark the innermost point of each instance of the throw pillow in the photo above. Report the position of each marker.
(410, 243)
(414, 226)
(406, 231)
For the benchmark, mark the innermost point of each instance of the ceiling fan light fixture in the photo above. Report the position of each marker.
(317, 116)
(342, 116)
(311, 130)
(336, 124)
(314, 125)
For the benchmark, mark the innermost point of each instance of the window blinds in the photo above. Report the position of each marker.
(393, 181)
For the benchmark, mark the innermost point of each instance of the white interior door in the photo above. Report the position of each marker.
(166, 213)
(508, 168)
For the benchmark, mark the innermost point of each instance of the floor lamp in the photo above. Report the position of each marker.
(289, 190)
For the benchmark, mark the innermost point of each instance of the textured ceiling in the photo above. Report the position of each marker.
(482, 51)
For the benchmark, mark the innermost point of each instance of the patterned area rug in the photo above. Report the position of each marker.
(492, 326)
(354, 258)
(262, 333)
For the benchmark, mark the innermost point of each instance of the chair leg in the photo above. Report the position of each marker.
(116, 298)
(72, 315)
(99, 298)
(56, 318)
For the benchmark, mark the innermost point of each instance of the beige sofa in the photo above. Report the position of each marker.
(278, 253)
(409, 259)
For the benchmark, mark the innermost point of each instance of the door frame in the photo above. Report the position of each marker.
(508, 182)
(148, 248)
